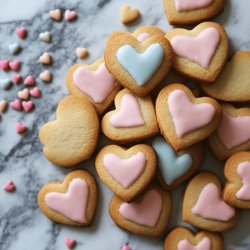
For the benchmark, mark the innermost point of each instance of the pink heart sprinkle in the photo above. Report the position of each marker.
(70, 15)
(16, 105)
(35, 92)
(9, 186)
(20, 128)
(27, 105)
(29, 80)
(4, 65)
(21, 32)
(15, 65)
(17, 78)
(70, 243)
(126, 247)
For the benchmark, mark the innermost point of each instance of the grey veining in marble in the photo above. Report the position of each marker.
(22, 225)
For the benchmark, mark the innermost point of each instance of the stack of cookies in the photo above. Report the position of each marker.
(158, 130)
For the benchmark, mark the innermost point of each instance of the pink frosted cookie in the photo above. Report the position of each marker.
(181, 238)
(183, 119)
(133, 120)
(72, 202)
(126, 172)
(182, 12)
(232, 134)
(204, 207)
(200, 53)
(94, 83)
(148, 215)
(237, 173)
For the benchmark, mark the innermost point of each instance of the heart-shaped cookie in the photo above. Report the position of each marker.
(147, 216)
(72, 202)
(237, 173)
(126, 172)
(232, 134)
(183, 119)
(233, 81)
(200, 53)
(175, 168)
(181, 238)
(138, 66)
(73, 136)
(94, 83)
(181, 12)
(133, 120)
(204, 207)
(145, 32)
(128, 14)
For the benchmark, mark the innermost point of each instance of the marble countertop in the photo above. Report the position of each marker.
(22, 225)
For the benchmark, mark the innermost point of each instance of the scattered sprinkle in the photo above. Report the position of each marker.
(56, 14)
(70, 243)
(70, 15)
(45, 36)
(14, 48)
(15, 65)
(128, 14)
(16, 105)
(3, 106)
(35, 92)
(20, 128)
(46, 76)
(27, 105)
(29, 80)
(5, 83)
(21, 32)
(81, 52)
(126, 247)
(23, 94)
(45, 58)
(9, 186)
(17, 78)
(4, 65)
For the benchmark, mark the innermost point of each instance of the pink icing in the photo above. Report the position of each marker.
(243, 170)
(199, 49)
(125, 171)
(146, 212)
(73, 203)
(210, 205)
(97, 84)
(143, 36)
(204, 244)
(233, 130)
(182, 5)
(129, 114)
(188, 116)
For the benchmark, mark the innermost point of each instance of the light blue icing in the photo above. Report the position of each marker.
(171, 166)
(141, 66)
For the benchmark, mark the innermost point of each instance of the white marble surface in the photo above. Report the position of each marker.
(22, 225)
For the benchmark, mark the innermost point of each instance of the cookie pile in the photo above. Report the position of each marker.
(143, 171)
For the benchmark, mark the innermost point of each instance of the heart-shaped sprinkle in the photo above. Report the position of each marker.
(35, 92)
(128, 15)
(17, 78)
(146, 212)
(143, 65)
(125, 171)
(14, 48)
(56, 14)
(46, 76)
(45, 36)
(27, 105)
(129, 114)
(70, 15)
(70, 243)
(5, 83)
(210, 205)
(9, 186)
(14, 65)
(21, 32)
(4, 65)
(3, 106)
(45, 58)
(29, 80)
(16, 105)
(81, 53)
(126, 247)
(204, 244)
(20, 128)
(73, 203)
(183, 112)
(181, 5)
(23, 94)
